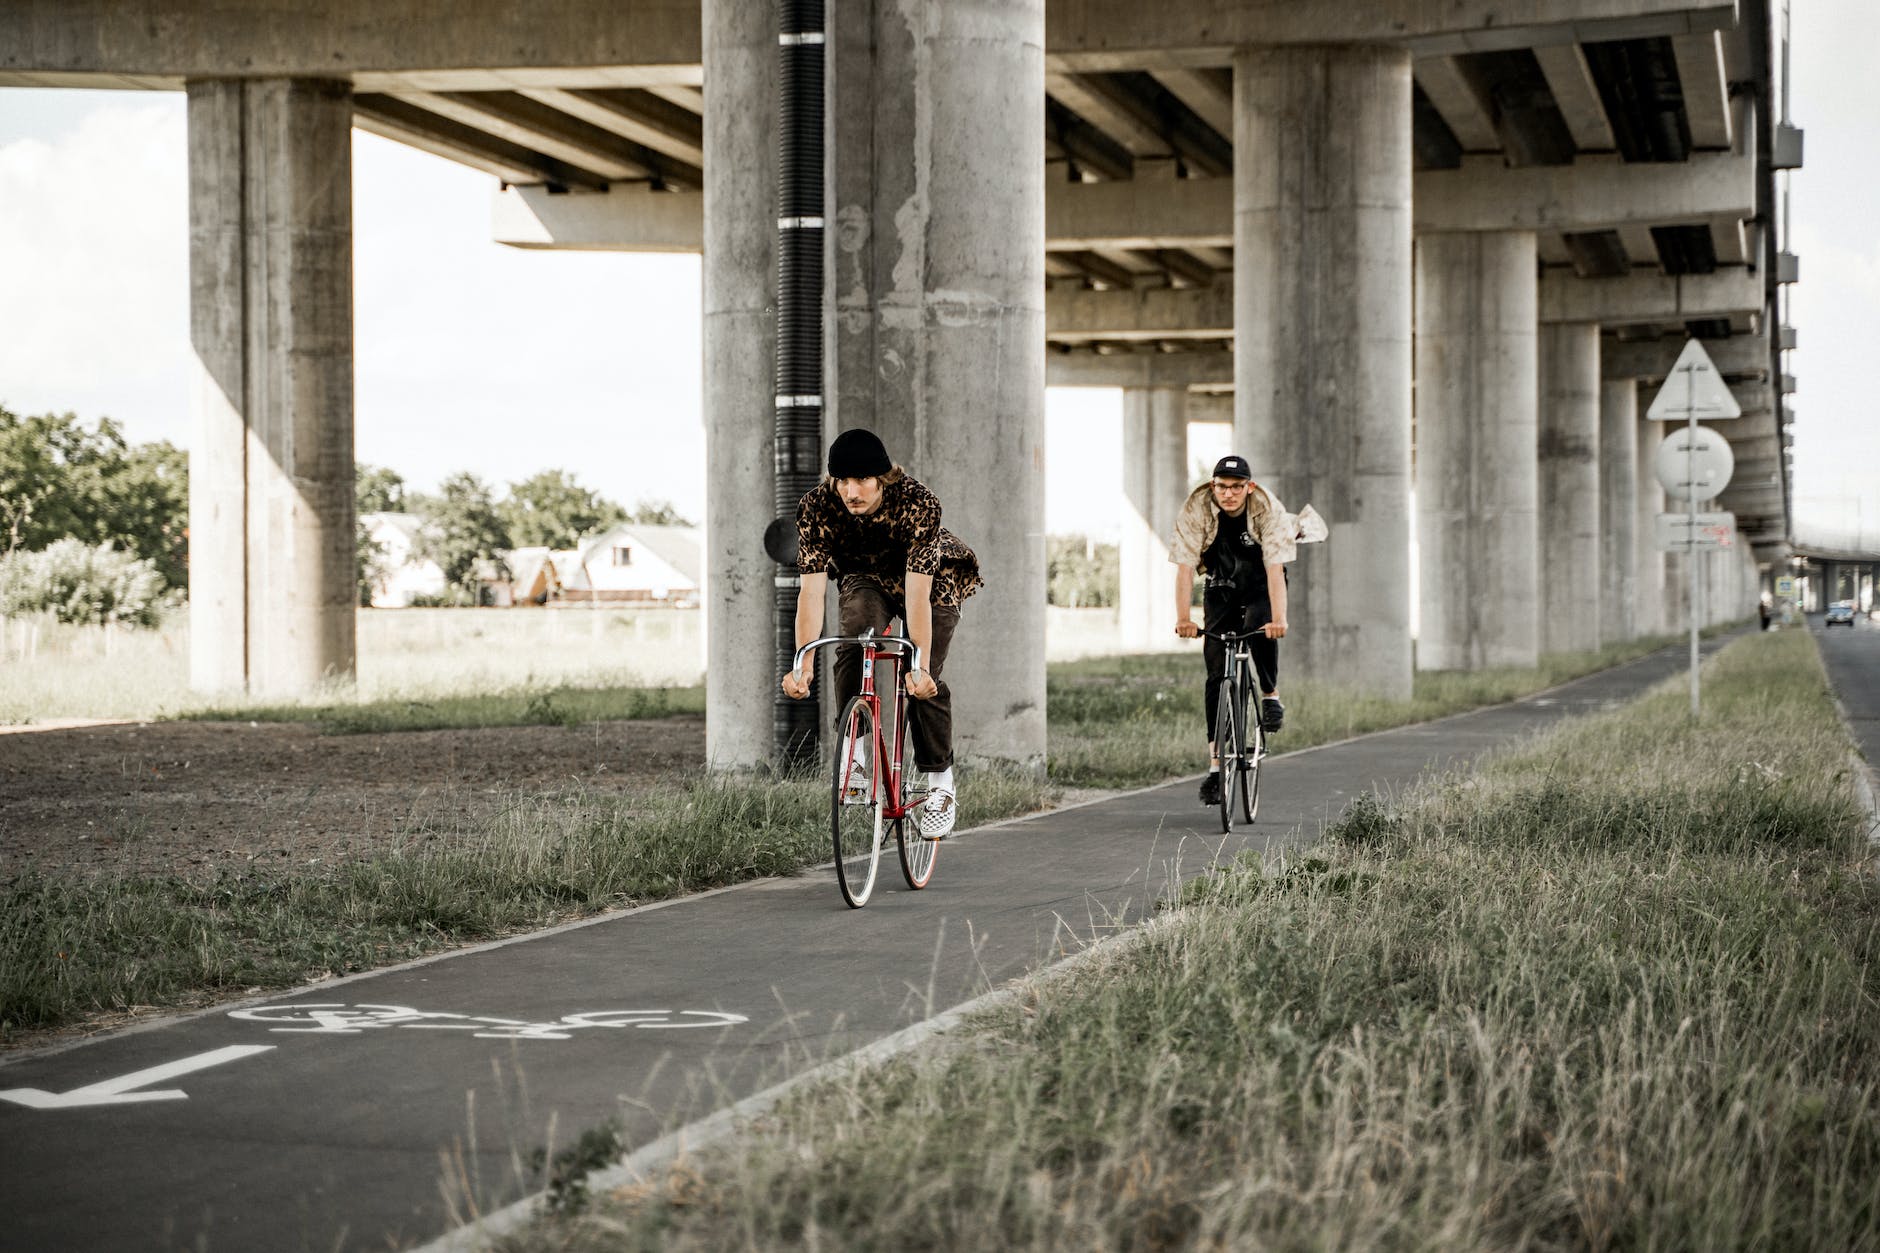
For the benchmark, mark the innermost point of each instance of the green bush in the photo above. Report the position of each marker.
(82, 585)
(1080, 573)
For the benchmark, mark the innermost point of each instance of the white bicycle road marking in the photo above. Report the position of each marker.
(336, 1019)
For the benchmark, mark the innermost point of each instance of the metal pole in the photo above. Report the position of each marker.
(1690, 538)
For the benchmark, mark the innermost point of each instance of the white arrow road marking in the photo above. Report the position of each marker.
(119, 1091)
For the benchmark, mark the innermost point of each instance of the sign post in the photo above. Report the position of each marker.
(1694, 390)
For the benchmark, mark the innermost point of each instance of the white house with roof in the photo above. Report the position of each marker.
(633, 563)
(533, 579)
(396, 574)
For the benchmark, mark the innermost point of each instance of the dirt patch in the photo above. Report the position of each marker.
(190, 797)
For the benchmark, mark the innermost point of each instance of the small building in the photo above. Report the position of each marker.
(633, 564)
(532, 576)
(397, 576)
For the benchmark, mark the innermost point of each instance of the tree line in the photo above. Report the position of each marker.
(95, 528)
(465, 524)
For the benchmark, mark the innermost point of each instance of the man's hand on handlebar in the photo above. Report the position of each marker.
(1274, 630)
(1187, 629)
(795, 686)
(921, 685)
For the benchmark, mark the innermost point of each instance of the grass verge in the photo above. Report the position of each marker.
(1615, 989)
(514, 707)
(72, 948)
(1127, 721)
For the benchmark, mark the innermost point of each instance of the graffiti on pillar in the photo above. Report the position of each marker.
(336, 1019)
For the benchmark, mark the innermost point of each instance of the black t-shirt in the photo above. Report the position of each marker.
(1234, 563)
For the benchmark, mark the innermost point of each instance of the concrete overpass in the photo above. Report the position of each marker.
(1446, 246)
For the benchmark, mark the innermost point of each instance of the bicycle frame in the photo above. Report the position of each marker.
(893, 651)
(1240, 667)
(1241, 690)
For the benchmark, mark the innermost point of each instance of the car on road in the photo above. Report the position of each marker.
(1841, 611)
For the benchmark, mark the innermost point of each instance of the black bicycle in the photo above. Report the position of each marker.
(1239, 741)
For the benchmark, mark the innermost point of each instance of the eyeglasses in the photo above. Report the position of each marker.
(1232, 485)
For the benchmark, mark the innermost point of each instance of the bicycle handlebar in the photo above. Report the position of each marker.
(1230, 637)
(899, 642)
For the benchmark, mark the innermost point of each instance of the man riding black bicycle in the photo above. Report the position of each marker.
(879, 532)
(1239, 535)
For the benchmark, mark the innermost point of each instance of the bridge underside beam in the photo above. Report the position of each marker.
(1189, 213)
(1099, 35)
(629, 218)
(1645, 298)
(1650, 360)
(1207, 312)
(1152, 313)
(1591, 195)
(466, 45)
(1140, 369)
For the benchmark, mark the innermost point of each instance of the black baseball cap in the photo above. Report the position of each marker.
(1232, 467)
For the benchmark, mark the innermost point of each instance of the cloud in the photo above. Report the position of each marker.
(94, 247)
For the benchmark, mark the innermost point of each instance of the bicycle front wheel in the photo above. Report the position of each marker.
(1224, 749)
(1253, 753)
(917, 853)
(856, 792)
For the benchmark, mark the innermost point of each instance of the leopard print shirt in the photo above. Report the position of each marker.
(903, 536)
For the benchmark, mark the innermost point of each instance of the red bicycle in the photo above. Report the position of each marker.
(868, 788)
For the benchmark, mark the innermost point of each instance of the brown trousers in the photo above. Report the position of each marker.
(930, 721)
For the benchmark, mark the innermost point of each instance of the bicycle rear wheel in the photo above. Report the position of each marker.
(855, 798)
(917, 854)
(1224, 742)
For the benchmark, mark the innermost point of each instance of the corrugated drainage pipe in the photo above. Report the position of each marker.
(799, 415)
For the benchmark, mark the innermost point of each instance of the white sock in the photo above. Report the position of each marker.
(941, 779)
(1215, 768)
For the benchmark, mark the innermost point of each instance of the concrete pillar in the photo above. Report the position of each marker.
(1569, 487)
(1479, 586)
(1155, 452)
(273, 591)
(1322, 339)
(1618, 510)
(936, 295)
(740, 52)
(1649, 580)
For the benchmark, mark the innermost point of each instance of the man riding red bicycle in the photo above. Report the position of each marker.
(879, 532)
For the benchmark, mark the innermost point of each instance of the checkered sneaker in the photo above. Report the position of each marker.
(938, 814)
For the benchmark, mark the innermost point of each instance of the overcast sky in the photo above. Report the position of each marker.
(473, 356)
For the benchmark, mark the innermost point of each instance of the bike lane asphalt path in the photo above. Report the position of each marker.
(1852, 659)
(333, 1117)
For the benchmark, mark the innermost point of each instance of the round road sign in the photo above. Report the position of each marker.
(1694, 461)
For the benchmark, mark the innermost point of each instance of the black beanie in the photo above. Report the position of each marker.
(858, 454)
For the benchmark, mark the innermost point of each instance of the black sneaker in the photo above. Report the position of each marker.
(1211, 789)
(1272, 714)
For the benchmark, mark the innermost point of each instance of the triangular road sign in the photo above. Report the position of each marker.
(1694, 389)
